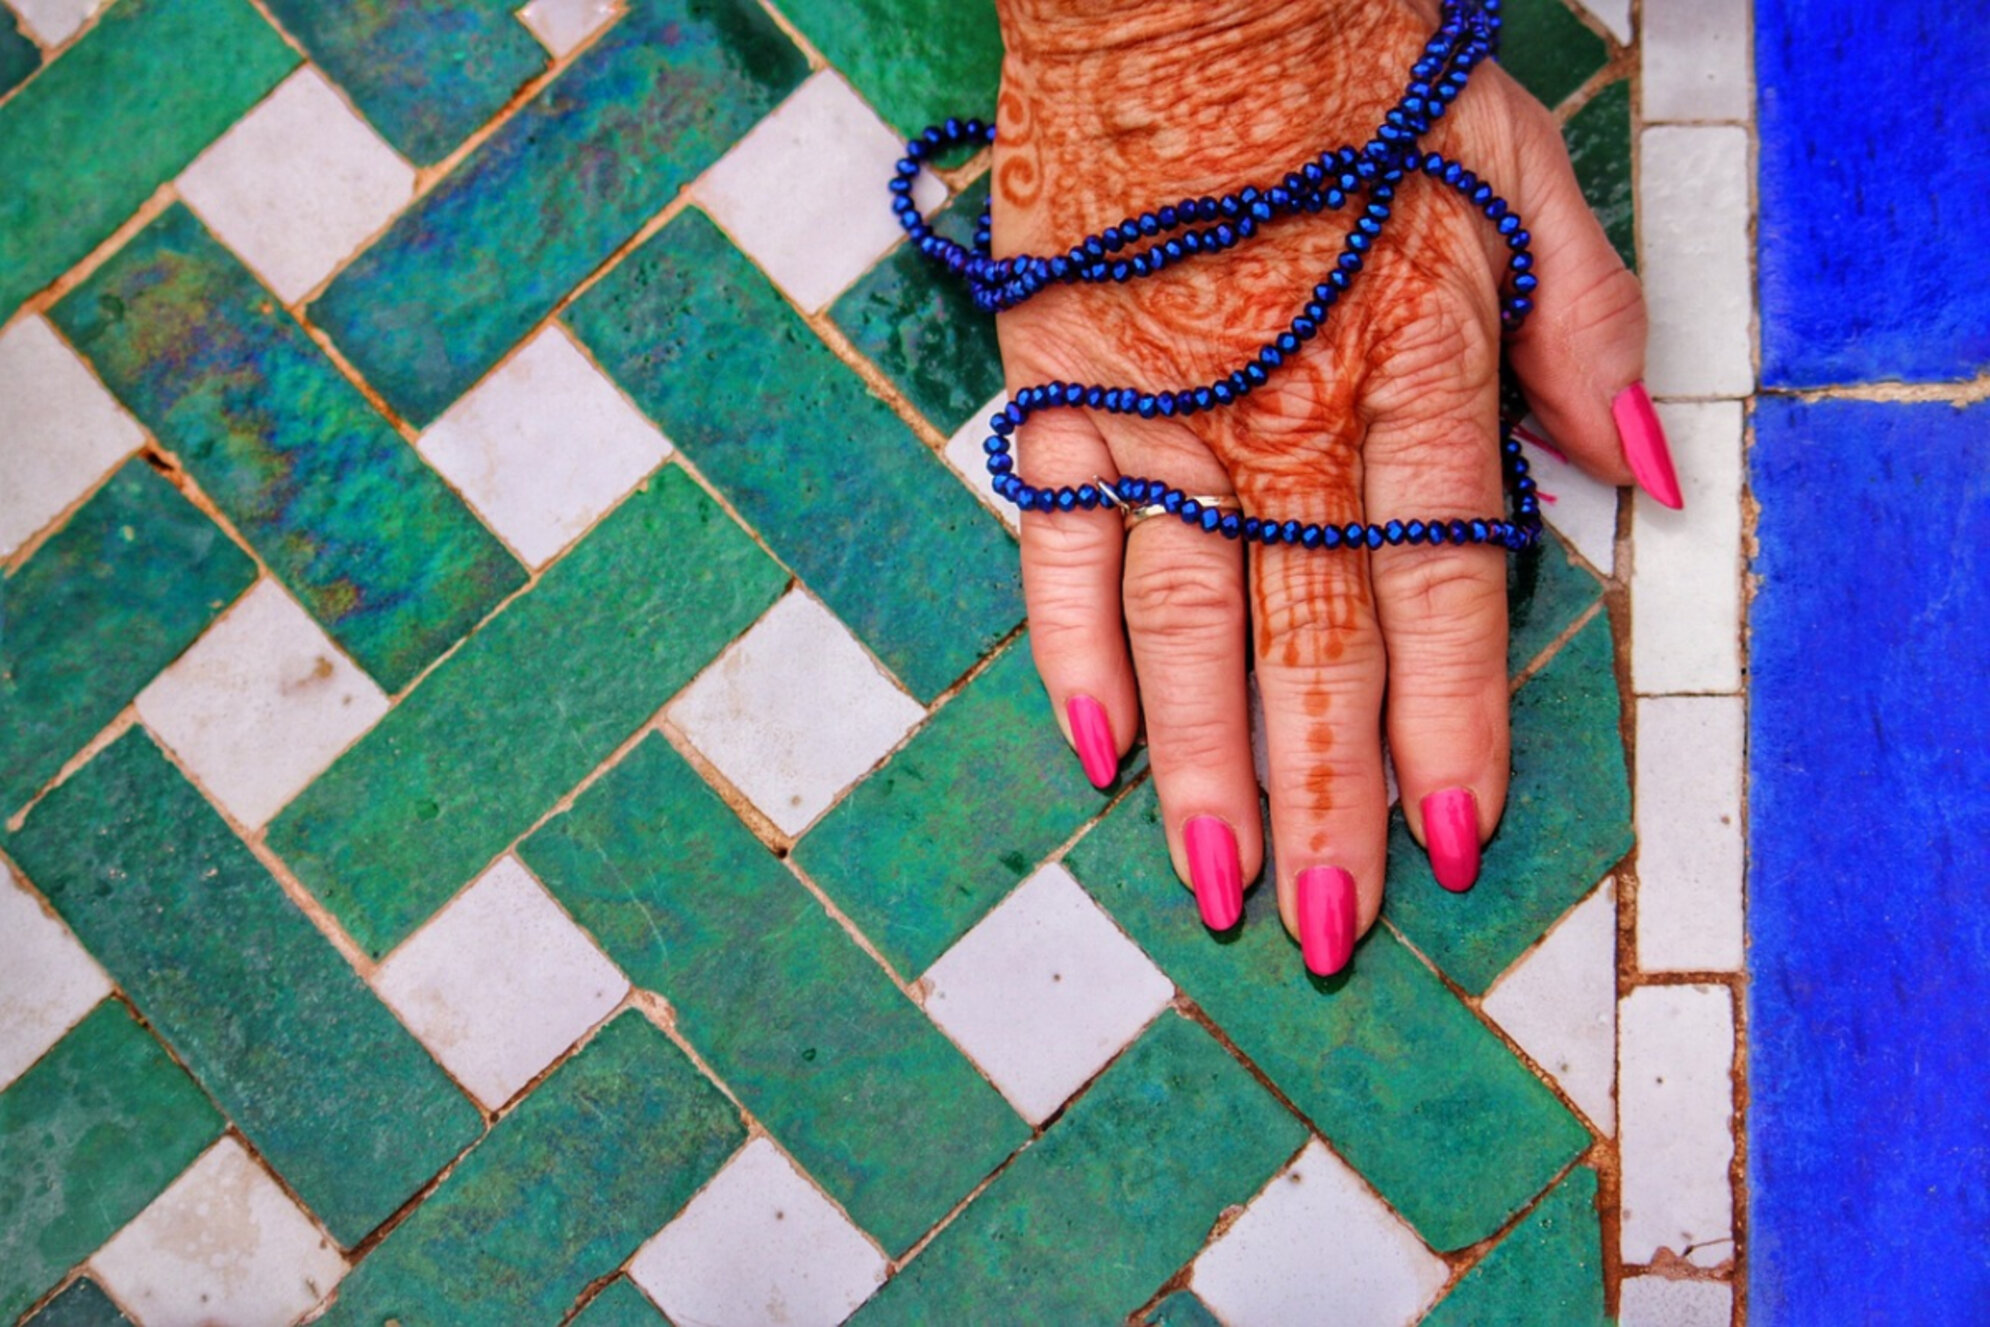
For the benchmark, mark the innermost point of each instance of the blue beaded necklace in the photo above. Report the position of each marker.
(1335, 179)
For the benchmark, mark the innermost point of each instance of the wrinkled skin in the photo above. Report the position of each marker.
(1390, 412)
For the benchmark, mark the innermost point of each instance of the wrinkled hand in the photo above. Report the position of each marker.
(1390, 412)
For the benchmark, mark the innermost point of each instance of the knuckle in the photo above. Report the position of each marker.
(1431, 594)
(1184, 597)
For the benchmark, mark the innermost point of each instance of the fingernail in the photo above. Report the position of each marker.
(1091, 733)
(1214, 870)
(1326, 919)
(1644, 445)
(1451, 832)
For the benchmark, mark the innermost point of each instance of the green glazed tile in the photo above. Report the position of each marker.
(326, 1084)
(589, 1165)
(1182, 1309)
(797, 1020)
(839, 487)
(531, 703)
(19, 56)
(83, 1304)
(1567, 822)
(425, 72)
(920, 326)
(924, 847)
(1549, 1270)
(1545, 593)
(916, 61)
(89, 1135)
(133, 579)
(620, 1305)
(1599, 144)
(1409, 1087)
(123, 111)
(1547, 48)
(342, 509)
(473, 266)
(1113, 1199)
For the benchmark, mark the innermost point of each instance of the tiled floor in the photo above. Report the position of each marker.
(499, 827)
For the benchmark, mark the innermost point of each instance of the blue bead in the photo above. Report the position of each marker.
(1088, 496)
(1374, 537)
(1289, 532)
(1251, 527)
(1393, 532)
(1001, 464)
(1172, 500)
(1231, 525)
(1353, 533)
(994, 445)
(1414, 532)
(1310, 536)
(1067, 499)
(1211, 517)
(1330, 536)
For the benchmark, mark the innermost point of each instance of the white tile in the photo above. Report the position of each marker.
(544, 446)
(1695, 57)
(804, 192)
(298, 184)
(261, 704)
(964, 454)
(1656, 1301)
(500, 983)
(1560, 1004)
(760, 1245)
(1580, 509)
(1689, 833)
(47, 981)
(59, 433)
(1615, 15)
(1675, 1103)
(55, 21)
(1044, 991)
(1693, 212)
(794, 711)
(1316, 1237)
(1686, 565)
(562, 25)
(222, 1244)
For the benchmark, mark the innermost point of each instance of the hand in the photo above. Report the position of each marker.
(1391, 411)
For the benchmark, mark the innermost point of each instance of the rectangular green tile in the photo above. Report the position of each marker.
(923, 848)
(89, 1135)
(1113, 1199)
(370, 539)
(1182, 1309)
(83, 1304)
(534, 701)
(1410, 1088)
(469, 269)
(123, 111)
(1547, 48)
(1567, 822)
(131, 581)
(916, 61)
(839, 487)
(589, 1165)
(1545, 593)
(19, 56)
(799, 1022)
(620, 1305)
(325, 1083)
(1599, 143)
(425, 72)
(1549, 1269)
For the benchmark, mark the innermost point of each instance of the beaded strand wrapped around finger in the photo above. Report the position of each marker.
(1467, 35)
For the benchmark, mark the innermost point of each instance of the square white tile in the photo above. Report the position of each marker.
(544, 446)
(1695, 61)
(60, 432)
(55, 21)
(47, 980)
(1676, 1103)
(1693, 236)
(794, 711)
(1317, 1237)
(804, 193)
(562, 25)
(760, 1246)
(1690, 848)
(1559, 1002)
(1581, 510)
(1686, 566)
(499, 983)
(963, 453)
(261, 704)
(1044, 991)
(1656, 1301)
(223, 1244)
(298, 184)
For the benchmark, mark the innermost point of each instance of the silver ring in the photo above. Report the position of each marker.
(1135, 515)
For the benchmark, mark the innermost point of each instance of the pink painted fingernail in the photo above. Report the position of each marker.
(1451, 832)
(1091, 733)
(1326, 918)
(1215, 872)
(1644, 445)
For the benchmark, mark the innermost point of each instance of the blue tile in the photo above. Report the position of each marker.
(1869, 847)
(1875, 191)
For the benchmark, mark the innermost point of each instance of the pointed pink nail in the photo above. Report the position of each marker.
(1326, 918)
(1214, 870)
(1091, 733)
(1644, 445)
(1451, 832)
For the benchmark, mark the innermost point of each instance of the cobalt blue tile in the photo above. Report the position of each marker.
(1869, 824)
(1875, 191)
